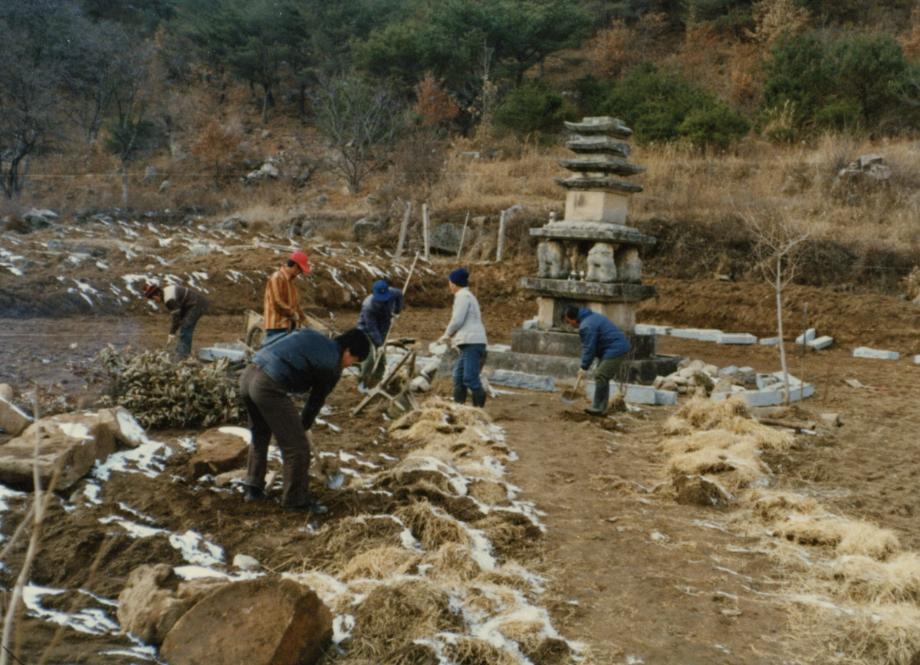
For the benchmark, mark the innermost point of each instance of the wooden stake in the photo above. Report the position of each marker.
(383, 347)
(403, 229)
(500, 250)
(426, 232)
(463, 234)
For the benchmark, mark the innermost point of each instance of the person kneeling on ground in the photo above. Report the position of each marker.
(600, 339)
(187, 305)
(281, 311)
(378, 311)
(303, 361)
(469, 335)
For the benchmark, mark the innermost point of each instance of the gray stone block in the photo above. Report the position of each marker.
(699, 334)
(770, 341)
(875, 354)
(599, 291)
(515, 379)
(211, 353)
(806, 336)
(665, 397)
(822, 342)
(737, 338)
(916, 359)
(731, 370)
(559, 343)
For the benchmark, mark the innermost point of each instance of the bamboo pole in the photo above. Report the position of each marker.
(403, 229)
(463, 234)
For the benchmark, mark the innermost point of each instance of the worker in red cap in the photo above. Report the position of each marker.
(282, 313)
(186, 305)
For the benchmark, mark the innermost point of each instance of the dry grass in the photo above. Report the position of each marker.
(472, 651)
(394, 615)
(866, 579)
(846, 536)
(380, 562)
(453, 561)
(736, 465)
(337, 543)
(432, 529)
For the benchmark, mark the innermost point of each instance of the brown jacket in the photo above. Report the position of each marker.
(281, 307)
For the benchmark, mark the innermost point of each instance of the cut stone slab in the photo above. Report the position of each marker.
(231, 353)
(514, 379)
(737, 338)
(219, 450)
(699, 334)
(770, 341)
(916, 360)
(6, 392)
(13, 420)
(806, 336)
(266, 621)
(771, 396)
(637, 394)
(875, 354)
(731, 370)
(69, 441)
(822, 342)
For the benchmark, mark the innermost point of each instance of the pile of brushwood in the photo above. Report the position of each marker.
(162, 392)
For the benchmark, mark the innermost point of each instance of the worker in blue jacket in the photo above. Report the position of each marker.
(303, 361)
(600, 339)
(378, 312)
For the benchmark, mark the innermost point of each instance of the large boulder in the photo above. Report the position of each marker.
(446, 238)
(154, 599)
(218, 450)
(71, 441)
(12, 419)
(266, 621)
(38, 219)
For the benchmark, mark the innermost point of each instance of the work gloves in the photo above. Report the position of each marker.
(582, 373)
(170, 340)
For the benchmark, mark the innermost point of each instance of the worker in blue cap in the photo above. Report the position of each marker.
(467, 333)
(378, 312)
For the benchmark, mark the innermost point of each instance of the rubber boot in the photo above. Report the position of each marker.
(479, 398)
(601, 397)
(460, 394)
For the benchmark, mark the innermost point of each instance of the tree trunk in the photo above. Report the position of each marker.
(778, 287)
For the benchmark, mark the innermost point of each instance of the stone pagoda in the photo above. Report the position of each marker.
(591, 258)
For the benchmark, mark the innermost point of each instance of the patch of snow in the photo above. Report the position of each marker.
(342, 626)
(75, 430)
(241, 432)
(196, 550)
(91, 621)
(148, 458)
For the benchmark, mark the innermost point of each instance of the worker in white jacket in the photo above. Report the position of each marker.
(469, 336)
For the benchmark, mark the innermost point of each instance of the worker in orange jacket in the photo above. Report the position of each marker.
(282, 312)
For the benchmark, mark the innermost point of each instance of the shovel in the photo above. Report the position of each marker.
(569, 396)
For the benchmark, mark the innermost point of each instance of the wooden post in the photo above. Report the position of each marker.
(502, 221)
(403, 229)
(426, 232)
(463, 234)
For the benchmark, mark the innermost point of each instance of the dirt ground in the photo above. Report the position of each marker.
(634, 575)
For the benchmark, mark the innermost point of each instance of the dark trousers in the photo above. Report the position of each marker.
(606, 372)
(271, 411)
(466, 370)
(187, 330)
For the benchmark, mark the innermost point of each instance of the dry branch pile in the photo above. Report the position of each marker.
(162, 392)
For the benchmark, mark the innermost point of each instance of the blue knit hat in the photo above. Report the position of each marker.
(381, 291)
(460, 277)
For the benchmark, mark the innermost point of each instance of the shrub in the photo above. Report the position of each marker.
(663, 106)
(530, 109)
(718, 126)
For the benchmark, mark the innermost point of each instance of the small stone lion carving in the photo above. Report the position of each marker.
(601, 264)
(629, 264)
(551, 260)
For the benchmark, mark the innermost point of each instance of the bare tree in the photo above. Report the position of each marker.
(361, 121)
(776, 244)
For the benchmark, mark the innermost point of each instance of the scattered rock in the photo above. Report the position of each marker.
(147, 607)
(365, 227)
(164, 186)
(69, 441)
(233, 223)
(227, 478)
(219, 450)
(280, 621)
(246, 562)
(832, 419)
(37, 218)
(268, 171)
(701, 491)
(445, 238)
(420, 384)
(12, 419)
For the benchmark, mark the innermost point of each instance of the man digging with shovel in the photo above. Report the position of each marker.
(600, 339)
(303, 361)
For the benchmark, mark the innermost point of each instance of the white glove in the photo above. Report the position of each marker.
(444, 339)
(170, 340)
(582, 373)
